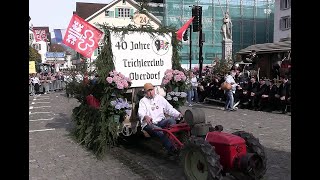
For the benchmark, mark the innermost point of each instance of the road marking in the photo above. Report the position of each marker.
(40, 96)
(39, 102)
(41, 119)
(31, 107)
(40, 99)
(39, 130)
(39, 112)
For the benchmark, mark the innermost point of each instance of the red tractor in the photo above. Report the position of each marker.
(208, 153)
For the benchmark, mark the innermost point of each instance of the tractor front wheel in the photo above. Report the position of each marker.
(253, 146)
(200, 161)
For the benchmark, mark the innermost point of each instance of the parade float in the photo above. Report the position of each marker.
(131, 56)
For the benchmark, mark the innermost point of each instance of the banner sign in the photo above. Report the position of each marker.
(55, 55)
(82, 36)
(32, 67)
(142, 57)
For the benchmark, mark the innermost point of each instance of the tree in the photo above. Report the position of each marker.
(34, 55)
(222, 66)
(57, 48)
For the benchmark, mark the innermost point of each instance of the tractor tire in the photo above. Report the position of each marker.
(253, 146)
(200, 161)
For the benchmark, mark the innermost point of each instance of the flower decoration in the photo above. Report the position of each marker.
(176, 99)
(174, 83)
(173, 79)
(118, 80)
(121, 107)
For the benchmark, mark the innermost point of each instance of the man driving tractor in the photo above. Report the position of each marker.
(152, 110)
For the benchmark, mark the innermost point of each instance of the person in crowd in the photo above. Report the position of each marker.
(262, 89)
(194, 86)
(152, 110)
(203, 90)
(214, 87)
(46, 84)
(221, 94)
(31, 87)
(245, 89)
(284, 92)
(189, 89)
(36, 83)
(273, 102)
(253, 88)
(229, 93)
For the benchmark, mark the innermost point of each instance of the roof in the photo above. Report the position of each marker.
(267, 47)
(132, 2)
(85, 10)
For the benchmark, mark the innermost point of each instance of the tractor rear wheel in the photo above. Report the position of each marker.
(200, 161)
(253, 146)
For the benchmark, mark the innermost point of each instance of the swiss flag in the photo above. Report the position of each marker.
(183, 29)
(82, 36)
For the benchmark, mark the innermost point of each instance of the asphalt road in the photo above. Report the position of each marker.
(53, 154)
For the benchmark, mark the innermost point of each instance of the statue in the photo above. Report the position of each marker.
(226, 28)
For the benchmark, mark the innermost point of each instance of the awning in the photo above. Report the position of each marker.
(283, 46)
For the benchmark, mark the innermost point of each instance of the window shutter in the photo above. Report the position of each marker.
(281, 24)
(95, 52)
(289, 3)
(111, 14)
(116, 12)
(131, 12)
(289, 19)
(281, 4)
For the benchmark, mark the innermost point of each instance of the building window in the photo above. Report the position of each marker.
(37, 46)
(109, 13)
(31, 38)
(285, 23)
(99, 49)
(285, 4)
(124, 12)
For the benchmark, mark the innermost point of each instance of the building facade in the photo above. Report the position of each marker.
(252, 23)
(38, 39)
(282, 20)
(117, 13)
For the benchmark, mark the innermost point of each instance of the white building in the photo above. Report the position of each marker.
(117, 13)
(282, 20)
(41, 46)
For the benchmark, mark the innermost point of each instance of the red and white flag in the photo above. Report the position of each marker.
(183, 29)
(82, 36)
(40, 34)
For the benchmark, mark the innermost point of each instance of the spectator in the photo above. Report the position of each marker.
(284, 93)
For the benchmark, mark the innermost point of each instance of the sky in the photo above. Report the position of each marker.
(56, 14)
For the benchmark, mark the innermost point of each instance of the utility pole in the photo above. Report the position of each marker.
(197, 27)
(190, 40)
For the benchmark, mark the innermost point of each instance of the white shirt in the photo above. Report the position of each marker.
(229, 79)
(155, 108)
(194, 82)
(35, 80)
